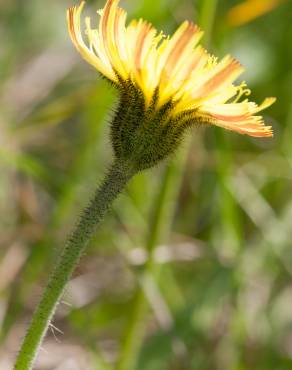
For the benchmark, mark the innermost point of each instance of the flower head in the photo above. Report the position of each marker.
(171, 75)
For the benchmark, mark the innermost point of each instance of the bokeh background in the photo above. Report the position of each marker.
(192, 269)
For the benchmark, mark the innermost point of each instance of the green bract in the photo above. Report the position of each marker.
(144, 136)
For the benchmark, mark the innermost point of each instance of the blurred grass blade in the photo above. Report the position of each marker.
(160, 224)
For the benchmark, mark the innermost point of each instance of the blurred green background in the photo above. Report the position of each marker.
(192, 269)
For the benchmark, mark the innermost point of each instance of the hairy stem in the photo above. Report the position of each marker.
(117, 177)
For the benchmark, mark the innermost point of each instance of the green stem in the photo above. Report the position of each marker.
(230, 220)
(207, 19)
(118, 176)
(161, 219)
(134, 332)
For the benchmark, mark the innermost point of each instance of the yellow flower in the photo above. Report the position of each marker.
(173, 68)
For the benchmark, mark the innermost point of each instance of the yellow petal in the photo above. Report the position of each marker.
(221, 75)
(265, 104)
(74, 26)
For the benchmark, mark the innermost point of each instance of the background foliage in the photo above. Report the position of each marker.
(192, 268)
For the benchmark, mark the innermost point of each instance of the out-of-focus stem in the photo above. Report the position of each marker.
(207, 18)
(160, 223)
(229, 217)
